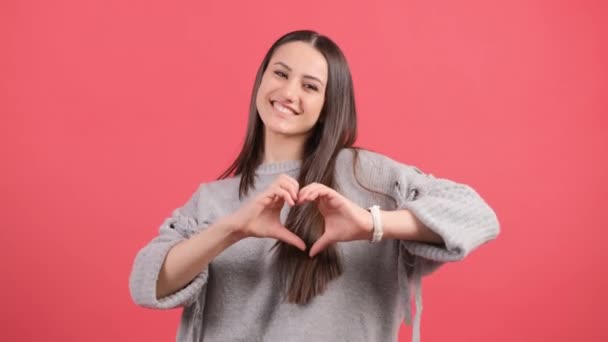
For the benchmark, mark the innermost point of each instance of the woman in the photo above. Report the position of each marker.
(279, 248)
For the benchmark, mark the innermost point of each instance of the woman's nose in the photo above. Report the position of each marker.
(290, 90)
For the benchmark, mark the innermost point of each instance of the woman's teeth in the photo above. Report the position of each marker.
(282, 108)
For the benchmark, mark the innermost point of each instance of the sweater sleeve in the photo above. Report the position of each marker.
(454, 211)
(148, 261)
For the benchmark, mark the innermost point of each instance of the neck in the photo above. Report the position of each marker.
(280, 148)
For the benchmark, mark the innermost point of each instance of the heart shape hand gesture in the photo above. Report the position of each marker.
(344, 220)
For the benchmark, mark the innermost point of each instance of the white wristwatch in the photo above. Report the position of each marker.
(376, 220)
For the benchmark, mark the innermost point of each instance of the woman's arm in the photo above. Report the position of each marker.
(436, 219)
(186, 259)
(171, 261)
(403, 225)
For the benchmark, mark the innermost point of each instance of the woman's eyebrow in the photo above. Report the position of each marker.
(304, 76)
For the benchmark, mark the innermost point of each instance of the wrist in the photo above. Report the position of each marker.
(233, 231)
(404, 225)
(399, 224)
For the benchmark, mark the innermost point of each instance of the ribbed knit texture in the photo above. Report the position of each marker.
(237, 297)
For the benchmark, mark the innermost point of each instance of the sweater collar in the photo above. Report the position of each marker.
(279, 167)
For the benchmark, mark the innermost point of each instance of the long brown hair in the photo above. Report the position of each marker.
(303, 278)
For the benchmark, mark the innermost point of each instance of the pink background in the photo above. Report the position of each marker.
(112, 112)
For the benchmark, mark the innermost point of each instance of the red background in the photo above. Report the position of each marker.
(112, 112)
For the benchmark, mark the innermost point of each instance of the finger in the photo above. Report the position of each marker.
(287, 182)
(287, 236)
(284, 194)
(273, 196)
(267, 198)
(288, 186)
(314, 193)
(293, 181)
(309, 186)
(307, 190)
(320, 245)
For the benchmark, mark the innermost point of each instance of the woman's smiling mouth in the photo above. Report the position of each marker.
(285, 110)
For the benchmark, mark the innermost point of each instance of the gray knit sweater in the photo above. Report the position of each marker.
(237, 297)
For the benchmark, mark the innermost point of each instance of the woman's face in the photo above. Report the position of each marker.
(292, 91)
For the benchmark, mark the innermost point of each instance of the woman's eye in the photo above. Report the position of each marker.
(280, 73)
(311, 87)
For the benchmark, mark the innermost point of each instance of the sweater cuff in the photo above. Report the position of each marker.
(456, 213)
(145, 274)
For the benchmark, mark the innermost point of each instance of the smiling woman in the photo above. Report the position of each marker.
(279, 248)
(290, 98)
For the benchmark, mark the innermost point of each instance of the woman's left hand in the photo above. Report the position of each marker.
(344, 220)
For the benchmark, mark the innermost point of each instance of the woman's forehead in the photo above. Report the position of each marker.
(301, 58)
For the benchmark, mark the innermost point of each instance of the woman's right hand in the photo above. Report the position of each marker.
(260, 216)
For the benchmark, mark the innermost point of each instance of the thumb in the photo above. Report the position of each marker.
(285, 235)
(320, 245)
